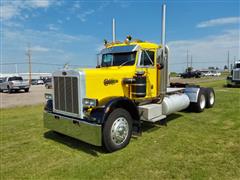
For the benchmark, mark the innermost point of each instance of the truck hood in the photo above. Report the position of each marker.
(105, 82)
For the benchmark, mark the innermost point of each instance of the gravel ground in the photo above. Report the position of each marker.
(36, 93)
(34, 96)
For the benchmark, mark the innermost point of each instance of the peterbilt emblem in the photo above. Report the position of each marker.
(107, 82)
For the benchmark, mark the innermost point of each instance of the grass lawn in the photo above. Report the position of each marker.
(192, 146)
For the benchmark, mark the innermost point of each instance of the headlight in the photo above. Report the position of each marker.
(89, 102)
(48, 96)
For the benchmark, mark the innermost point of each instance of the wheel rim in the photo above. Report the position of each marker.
(211, 98)
(119, 131)
(202, 102)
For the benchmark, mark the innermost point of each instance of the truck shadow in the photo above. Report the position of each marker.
(150, 127)
(74, 143)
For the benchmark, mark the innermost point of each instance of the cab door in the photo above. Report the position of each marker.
(147, 63)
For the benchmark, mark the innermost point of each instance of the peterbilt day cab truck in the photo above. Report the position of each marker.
(105, 105)
(234, 78)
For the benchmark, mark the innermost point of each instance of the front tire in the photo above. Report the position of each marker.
(117, 130)
(26, 90)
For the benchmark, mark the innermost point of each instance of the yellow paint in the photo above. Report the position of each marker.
(95, 77)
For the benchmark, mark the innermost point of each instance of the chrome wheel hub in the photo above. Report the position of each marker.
(119, 130)
(202, 101)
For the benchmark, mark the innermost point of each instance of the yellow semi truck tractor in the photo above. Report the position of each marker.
(105, 105)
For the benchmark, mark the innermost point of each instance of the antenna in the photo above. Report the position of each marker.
(113, 30)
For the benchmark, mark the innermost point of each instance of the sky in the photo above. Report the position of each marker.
(72, 32)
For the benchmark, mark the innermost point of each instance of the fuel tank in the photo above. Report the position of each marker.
(174, 103)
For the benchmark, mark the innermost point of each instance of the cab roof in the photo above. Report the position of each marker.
(144, 45)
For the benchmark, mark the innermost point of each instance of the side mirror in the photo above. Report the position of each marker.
(160, 66)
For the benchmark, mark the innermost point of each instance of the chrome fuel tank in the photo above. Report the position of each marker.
(174, 103)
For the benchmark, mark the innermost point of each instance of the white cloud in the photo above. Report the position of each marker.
(8, 11)
(83, 15)
(12, 9)
(47, 47)
(76, 5)
(207, 51)
(39, 49)
(219, 21)
(40, 3)
(53, 27)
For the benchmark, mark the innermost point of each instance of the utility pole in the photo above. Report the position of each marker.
(191, 61)
(16, 68)
(228, 61)
(29, 55)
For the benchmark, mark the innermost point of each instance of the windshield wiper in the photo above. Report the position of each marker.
(125, 63)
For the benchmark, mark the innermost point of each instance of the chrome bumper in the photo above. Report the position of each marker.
(19, 87)
(87, 132)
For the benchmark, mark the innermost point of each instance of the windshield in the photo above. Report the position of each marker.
(237, 65)
(118, 59)
(15, 79)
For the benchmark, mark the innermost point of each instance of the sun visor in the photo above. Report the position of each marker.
(120, 49)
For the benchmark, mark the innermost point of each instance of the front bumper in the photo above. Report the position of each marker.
(84, 131)
(19, 87)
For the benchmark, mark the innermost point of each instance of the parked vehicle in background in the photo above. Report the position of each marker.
(34, 81)
(40, 82)
(37, 82)
(234, 78)
(14, 83)
(215, 73)
(208, 73)
(191, 74)
(48, 83)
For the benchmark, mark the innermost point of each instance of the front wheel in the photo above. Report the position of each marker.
(117, 130)
(26, 90)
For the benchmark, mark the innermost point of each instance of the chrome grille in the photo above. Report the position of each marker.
(66, 94)
(236, 75)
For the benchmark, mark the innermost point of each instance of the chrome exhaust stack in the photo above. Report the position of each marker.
(163, 57)
(113, 31)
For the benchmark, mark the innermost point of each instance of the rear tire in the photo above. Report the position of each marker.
(200, 105)
(117, 130)
(210, 97)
